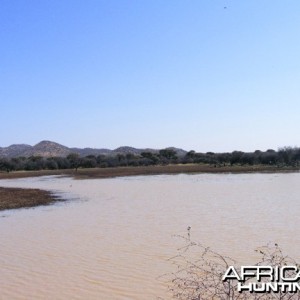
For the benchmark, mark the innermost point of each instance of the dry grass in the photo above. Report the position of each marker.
(149, 170)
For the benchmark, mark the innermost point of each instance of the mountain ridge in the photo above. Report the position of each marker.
(52, 149)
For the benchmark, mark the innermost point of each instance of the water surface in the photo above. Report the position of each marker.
(112, 241)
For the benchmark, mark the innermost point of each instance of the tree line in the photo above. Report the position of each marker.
(287, 156)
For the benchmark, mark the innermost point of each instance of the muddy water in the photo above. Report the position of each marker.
(113, 239)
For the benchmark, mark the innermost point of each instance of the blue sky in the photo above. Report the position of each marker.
(143, 73)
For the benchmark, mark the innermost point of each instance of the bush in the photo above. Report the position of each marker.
(200, 270)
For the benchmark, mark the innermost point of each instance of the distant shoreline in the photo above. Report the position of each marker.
(90, 173)
(13, 198)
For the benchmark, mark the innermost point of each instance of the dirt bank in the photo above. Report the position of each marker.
(150, 170)
(12, 198)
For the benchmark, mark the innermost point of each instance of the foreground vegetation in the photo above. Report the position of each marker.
(199, 273)
(284, 157)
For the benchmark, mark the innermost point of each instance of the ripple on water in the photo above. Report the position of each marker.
(114, 239)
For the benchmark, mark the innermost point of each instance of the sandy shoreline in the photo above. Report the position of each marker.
(12, 198)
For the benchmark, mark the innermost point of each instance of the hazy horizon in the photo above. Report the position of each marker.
(170, 146)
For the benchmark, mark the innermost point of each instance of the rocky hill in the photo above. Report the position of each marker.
(52, 149)
(47, 149)
(14, 150)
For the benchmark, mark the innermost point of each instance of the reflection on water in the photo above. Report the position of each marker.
(113, 241)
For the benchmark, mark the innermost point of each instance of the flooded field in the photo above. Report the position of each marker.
(113, 238)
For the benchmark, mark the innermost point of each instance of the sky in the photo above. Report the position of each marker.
(207, 75)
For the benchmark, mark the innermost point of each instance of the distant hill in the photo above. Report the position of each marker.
(90, 151)
(14, 150)
(52, 149)
(47, 149)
